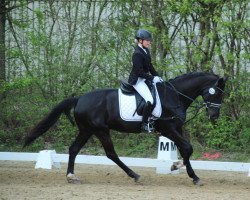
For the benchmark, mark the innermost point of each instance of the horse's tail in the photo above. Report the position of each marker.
(44, 125)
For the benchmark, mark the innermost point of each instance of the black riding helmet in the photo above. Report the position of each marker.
(143, 34)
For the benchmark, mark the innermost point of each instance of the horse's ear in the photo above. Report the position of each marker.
(221, 81)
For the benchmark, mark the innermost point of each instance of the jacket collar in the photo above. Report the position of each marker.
(141, 50)
(144, 49)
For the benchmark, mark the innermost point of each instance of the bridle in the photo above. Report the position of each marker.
(212, 91)
(206, 104)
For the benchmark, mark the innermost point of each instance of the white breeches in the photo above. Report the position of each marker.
(142, 88)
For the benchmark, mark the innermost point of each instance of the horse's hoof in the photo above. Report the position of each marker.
(173, 167)
(133, 175)
(198, 182)
(72, 178)
(177, 165)
(136, 177)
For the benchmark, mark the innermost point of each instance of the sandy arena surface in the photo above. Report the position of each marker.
(19, 180)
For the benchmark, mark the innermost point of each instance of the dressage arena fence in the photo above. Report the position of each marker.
(167, 155)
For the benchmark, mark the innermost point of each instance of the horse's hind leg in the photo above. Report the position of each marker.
(108, 146)
(74, 149)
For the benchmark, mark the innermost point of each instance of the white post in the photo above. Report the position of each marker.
(45, 160)
(167, 151)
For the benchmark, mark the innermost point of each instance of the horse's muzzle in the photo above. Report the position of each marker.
(213, 113)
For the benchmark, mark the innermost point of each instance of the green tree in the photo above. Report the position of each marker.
(3, 11)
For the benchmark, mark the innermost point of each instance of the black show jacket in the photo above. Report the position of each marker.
(142, 66)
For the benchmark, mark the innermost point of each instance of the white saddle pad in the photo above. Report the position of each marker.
(127, 107)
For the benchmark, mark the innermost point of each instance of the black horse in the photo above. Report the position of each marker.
(97, 112)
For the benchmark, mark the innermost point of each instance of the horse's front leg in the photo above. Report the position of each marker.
(190, 171)
(186, 150)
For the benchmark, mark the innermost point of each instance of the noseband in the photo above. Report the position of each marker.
(209, 104)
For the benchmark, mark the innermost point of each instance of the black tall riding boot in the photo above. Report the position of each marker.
(147, 110)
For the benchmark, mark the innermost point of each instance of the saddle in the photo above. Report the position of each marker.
(129, 90)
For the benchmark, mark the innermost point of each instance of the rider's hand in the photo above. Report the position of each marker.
(161, 79)
(157, 79)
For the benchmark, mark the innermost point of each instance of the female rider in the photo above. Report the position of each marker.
(142, 71)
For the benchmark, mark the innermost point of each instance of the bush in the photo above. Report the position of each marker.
(225, 133)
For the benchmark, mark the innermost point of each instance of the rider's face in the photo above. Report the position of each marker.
(145, 43)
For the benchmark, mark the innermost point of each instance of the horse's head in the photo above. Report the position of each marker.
(212, 96)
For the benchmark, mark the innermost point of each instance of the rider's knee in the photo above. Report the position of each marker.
(148, 103)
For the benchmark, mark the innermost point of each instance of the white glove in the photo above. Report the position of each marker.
(157, 79)
(161, 79)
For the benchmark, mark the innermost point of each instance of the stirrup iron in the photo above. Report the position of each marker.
(148, 127)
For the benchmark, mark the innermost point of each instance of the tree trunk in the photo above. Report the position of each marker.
(2, 47)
